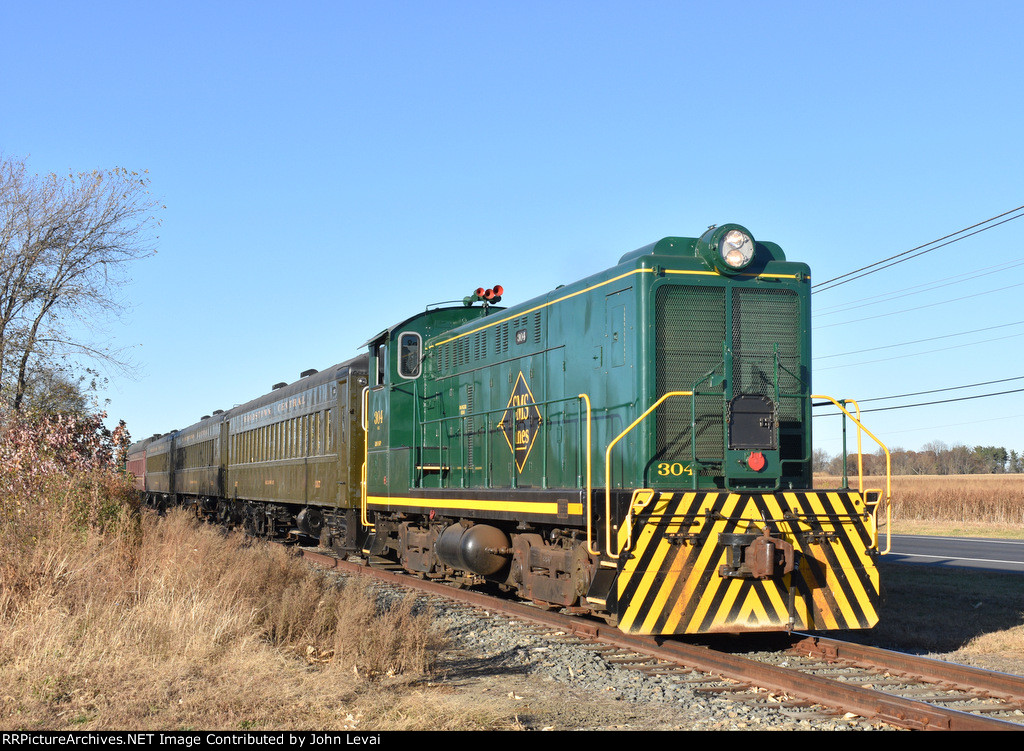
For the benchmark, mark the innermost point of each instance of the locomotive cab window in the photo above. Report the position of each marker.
(379, 357)
(409, 346)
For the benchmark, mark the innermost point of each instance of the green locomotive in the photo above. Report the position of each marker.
(636, 445)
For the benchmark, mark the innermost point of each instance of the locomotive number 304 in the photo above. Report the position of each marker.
(675, 469)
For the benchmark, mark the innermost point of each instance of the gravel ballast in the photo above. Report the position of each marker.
(554, 682)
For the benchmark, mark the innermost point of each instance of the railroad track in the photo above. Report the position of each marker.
(811, 677)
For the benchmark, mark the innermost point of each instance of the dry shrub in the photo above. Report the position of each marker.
(109, 619)
(43, 456)
(394, 641)
(65, 507)
(189, 627)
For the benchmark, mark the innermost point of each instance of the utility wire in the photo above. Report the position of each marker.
(924, 352)
(921, 307)
(937, 391)
(922, 404)
(940, 401)
(918, 251)
(939, 427)
(916, 341)
(916, 290)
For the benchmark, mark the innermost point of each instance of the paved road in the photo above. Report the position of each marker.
(968, 552)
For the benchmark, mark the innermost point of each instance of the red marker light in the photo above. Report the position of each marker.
(756, 461)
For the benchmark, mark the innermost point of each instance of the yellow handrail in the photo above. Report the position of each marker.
(590, 489)
(363, 513)
(860, 473)
(608, 475)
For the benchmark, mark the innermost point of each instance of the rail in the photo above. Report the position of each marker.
(742, 671)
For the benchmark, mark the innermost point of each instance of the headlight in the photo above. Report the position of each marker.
(736, 249)
(728, 249)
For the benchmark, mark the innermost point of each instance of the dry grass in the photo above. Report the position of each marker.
(977, 615)
(170, 625)
(978, 505)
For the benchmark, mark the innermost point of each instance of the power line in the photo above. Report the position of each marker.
(941, 427)
(922, 307)
(836, 439)
(918, 251)
(925, 352)
(937, 391)
(916, 290)
(917, 341)
(930, 391)
(923, 404)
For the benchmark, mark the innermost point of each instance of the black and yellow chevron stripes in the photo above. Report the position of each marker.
(670, 582)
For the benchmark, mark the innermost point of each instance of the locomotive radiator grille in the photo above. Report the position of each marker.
(761, 321)
(689, 330)
(723, 344)
(673, 583)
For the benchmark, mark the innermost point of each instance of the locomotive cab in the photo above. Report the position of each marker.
(395, 402)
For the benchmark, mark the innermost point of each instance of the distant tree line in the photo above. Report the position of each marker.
(935, 458)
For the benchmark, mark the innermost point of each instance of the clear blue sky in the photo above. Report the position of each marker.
(329, 168)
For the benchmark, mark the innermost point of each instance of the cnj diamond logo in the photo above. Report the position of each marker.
(520, 422)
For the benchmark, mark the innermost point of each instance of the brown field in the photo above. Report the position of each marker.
(969, 505)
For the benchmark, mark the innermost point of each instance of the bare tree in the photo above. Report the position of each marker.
(51, 389)
(820, 461)
(65, 243)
